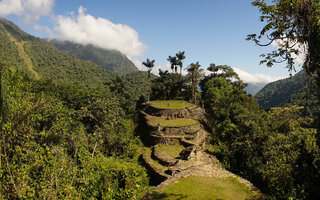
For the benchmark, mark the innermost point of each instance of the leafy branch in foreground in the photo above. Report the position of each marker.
(294, 26)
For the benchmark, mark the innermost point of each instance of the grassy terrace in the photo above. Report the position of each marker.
(205, 188)
(173, 104)
(148, 152)
(172, 150)
(179, 122)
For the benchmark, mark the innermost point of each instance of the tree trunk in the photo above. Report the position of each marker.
(193, 88)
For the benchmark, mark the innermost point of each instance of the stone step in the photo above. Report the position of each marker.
(199, 140)
(154, 165)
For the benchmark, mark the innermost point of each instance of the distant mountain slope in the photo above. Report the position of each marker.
(299, 90)
(42, 60)
(254, 88)
(137, 83)
(34, 55)
(111, 60)
(280, 92)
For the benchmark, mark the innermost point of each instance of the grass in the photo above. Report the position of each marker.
(173, 104)
(193, 188)
(171, 150)
(147, 152)
(179, 122)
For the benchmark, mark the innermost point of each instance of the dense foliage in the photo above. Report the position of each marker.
(277, 150)
(66, 132)
(64, 124)
(60, 141)
(169, 86)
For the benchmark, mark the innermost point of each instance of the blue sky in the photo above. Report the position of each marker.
(209, 31)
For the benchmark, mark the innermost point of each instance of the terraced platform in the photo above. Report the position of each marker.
(176, 139)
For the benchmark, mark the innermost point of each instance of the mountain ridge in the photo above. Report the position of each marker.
(32, 54)
(111, 60)
(278, 93)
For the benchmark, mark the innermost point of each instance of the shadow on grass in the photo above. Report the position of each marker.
(163, 196)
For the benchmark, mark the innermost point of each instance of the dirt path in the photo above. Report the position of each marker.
(24, 55)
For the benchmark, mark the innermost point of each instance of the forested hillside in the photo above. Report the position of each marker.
(66, 131)
(297, 90)
(278, 93)
(70, 129)
(46, 62)
(112, 60)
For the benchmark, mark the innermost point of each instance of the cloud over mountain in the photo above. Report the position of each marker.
(86, 29)
(255, 78)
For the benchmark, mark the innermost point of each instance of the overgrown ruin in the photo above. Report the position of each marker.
(175, 145)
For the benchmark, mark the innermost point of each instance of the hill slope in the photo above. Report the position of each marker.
(111, 60)
(299, 90)
(278, 93)
(254, 88)
(31, 54)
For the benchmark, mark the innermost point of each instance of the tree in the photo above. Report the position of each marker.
(174, 62)
(149, 64)
(168, 86)
(196, 73)
(222, 71)
(180, 55)
(294, 25)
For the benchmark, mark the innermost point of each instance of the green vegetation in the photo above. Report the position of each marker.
(149, 64)
(295, 25)
(170, 104)
(178, 122)
(68, 135)
(136, 85)
(251, 142)
(60, 141)
(193, 187)
(298, 90)
(196, 74)
(111, 60)
(278, 93)
(46, 60)
(170, 86)
(172, 150)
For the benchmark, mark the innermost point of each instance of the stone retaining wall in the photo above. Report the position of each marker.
(172, 113)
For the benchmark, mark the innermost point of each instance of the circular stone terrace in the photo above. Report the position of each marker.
(179, 122)
(169, 104)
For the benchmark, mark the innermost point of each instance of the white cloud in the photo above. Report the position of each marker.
(30, 10)
(245, 76)
(138, 64)
(44, 29)
(255, 78)
(86, 29)
(155, 70)
(300, 58)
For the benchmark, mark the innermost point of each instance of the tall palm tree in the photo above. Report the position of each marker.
(196, 73)
(149, 64)
(180, 57)
(174, 62)
(212, 67)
